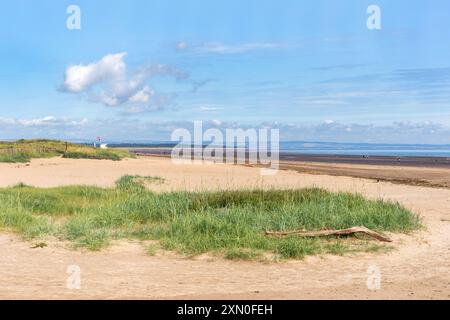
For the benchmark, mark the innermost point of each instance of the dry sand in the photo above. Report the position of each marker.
(419, 267)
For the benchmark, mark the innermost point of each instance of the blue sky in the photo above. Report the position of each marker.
(136, 70)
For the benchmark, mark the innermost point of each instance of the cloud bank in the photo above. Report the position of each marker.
(131, 129)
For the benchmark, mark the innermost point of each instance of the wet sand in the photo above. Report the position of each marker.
(429, 176)
(421, 171)
(400, 161)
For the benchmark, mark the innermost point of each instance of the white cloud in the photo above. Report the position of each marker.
(79, 78)
(216, 122)
(108, 82)
(143, 95)
(222, 48)
(43, 122)
(7, 121)
(37, 122)
(327, 102)
(106, 99)
(209, 108)
(181, 45)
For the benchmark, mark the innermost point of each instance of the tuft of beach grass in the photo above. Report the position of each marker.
(228, 223)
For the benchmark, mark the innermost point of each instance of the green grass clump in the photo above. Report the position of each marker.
(152, 249)
(23, 151)
(136, 184)
(228, 223)
(99, 155)
(243, 254)
(15, 158)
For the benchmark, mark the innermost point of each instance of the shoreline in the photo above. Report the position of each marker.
(415, 171)
(414, 161)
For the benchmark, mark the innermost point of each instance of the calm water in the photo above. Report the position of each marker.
(365, 149)
(328, 148)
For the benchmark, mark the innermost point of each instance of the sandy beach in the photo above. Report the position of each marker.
(418, 267)
(422, 171)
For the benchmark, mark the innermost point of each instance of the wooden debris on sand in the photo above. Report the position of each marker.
(340, 232)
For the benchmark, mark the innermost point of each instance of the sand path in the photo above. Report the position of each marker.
(418, 268)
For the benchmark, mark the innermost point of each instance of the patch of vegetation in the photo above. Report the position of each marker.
(228, 223)
(21, 157)
(98, 155)
(243, 254)
(23, 151)
(152, 249)
(137, 183)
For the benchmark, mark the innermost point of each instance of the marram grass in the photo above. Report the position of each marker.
(226, 223)
(23, 151)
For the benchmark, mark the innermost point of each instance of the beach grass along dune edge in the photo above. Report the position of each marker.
(22, 151)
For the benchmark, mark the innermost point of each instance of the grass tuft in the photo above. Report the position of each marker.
(228, 223)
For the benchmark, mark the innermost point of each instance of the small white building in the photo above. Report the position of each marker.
(104, 146)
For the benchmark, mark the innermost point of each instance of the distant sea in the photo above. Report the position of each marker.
(360, 149)
(333, 148)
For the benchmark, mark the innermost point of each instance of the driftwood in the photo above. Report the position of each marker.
(341, 232)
